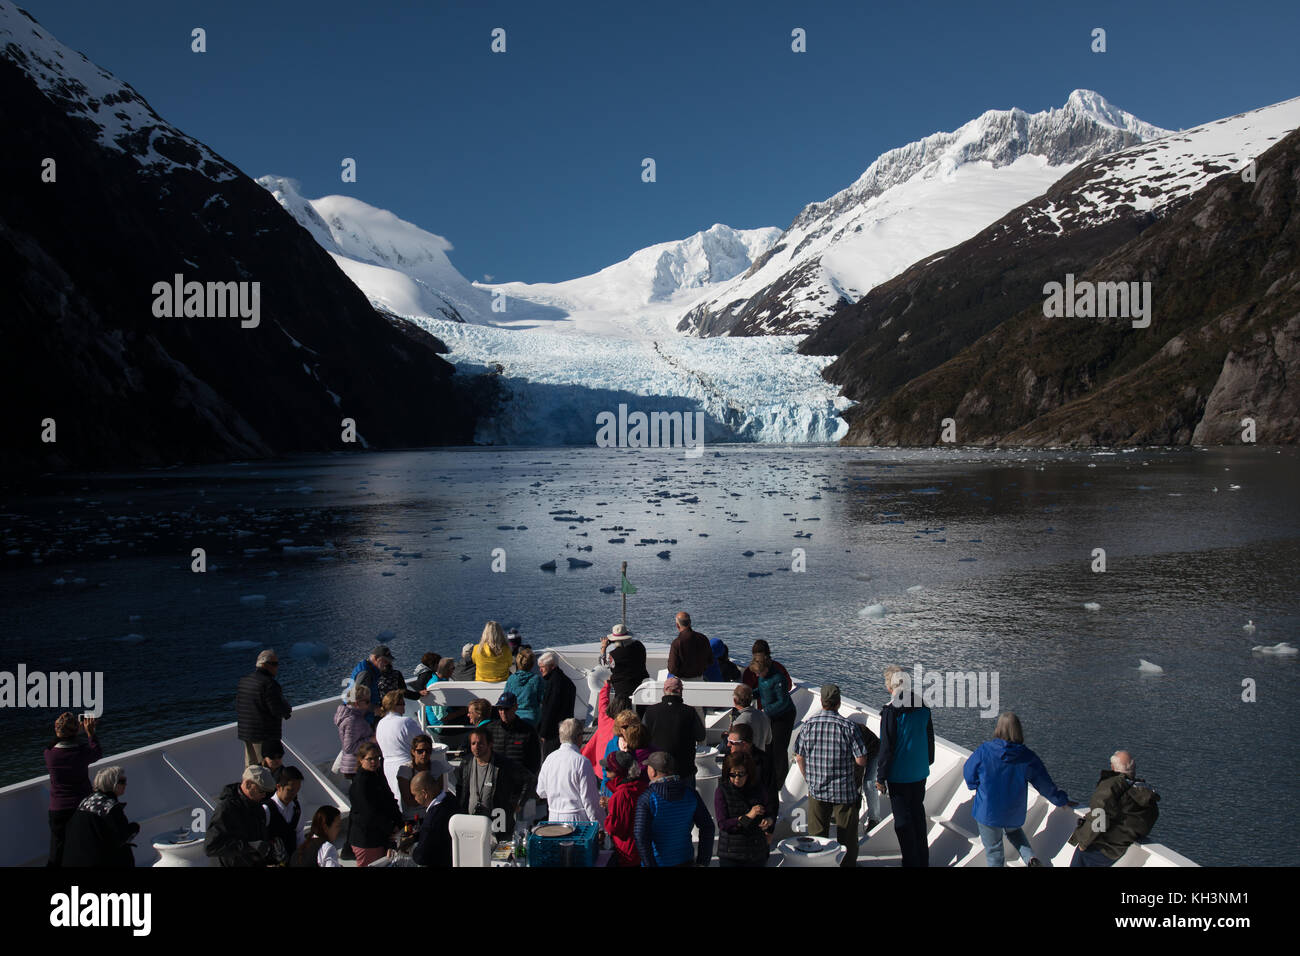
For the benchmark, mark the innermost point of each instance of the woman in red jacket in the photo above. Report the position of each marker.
(625, 779)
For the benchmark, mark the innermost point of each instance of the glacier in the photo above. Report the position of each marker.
(750, 390)
(566, 351)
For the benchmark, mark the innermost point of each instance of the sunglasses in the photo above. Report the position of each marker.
(737, 775)
(421, 750)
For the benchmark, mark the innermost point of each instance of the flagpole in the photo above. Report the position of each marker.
(621, 588)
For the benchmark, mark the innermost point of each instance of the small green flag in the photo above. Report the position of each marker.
(628, 587)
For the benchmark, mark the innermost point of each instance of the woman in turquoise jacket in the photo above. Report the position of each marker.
(527, 685)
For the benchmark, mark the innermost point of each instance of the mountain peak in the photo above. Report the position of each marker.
(1088, 103)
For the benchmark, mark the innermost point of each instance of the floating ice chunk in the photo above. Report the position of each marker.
(578, 563)
(1091, 606)
(872, 610)
(1284, 648)
(239, 645)
(664, 554)
(608, 590)
(309, 649)
(1249, 626)
(914, 588)
(252, 599)
(60, 581)
(130, 639)
(1146, 667)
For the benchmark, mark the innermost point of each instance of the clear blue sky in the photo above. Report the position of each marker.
(529, 162)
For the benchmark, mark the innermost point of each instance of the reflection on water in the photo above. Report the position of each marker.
(982, 562)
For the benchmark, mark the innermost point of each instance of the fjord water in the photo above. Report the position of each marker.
(319, 557)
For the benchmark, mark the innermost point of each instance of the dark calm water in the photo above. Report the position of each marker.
(999, 543)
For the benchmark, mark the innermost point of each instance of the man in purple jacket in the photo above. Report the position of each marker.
(68, 761)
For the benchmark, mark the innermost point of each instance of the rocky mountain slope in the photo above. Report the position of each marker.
(1223, 343)
(942, 304)
(105, 201)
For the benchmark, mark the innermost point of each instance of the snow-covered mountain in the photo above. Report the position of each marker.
(272, 348)
(658, 273)
(929, 313)
(400, 267)
(910, 203)
(119, 118)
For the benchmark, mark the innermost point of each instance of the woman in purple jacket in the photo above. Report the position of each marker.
(354, 729)
(68, 760)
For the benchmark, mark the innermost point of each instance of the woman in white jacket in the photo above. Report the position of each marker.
(394, 734)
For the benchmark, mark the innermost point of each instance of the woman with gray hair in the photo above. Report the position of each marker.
(354, 729)
(566, 782)
(999, 772)
(98, 833)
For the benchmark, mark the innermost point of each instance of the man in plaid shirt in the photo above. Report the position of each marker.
(826, 750)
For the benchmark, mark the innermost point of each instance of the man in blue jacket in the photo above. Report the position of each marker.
(906, 753)
(665, 814)
(999, 772)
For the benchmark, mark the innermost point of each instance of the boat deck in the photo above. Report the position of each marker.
(175, 783)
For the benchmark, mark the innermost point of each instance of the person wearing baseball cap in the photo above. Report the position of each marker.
(517, 739)
(238, 833)
(676, 728)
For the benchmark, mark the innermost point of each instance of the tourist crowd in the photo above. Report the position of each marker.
(634, 775)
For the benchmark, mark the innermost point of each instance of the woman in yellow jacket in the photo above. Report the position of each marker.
(492, 655)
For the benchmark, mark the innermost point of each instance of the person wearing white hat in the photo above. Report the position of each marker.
(626, 655)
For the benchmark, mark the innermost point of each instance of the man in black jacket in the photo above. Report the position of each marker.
(433, 844)
(485, 785)
(285, 810)
(237, 834)
(557, 702)
(259, 707)
(675, 728)
(516, 739)
(1122, 811)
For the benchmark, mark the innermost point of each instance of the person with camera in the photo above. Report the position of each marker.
(485, 784)
(68, 760)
